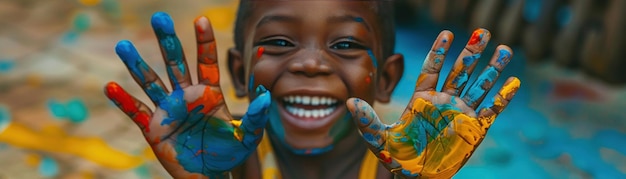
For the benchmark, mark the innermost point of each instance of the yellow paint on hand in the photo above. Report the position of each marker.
(509, 88)
(54, 139)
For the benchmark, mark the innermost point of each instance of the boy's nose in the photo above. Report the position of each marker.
(311, 65)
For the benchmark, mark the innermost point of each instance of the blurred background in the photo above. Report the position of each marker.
(567, 120)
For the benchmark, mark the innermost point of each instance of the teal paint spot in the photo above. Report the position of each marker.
(70, 37)
(476, 90)
(437, 60)
(143, 172)
(6, 65)
(81, 23)
(5, 118)
(73, 110)
(48, 167)
(440, 51)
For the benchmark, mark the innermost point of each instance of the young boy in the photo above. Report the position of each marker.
(323, 62)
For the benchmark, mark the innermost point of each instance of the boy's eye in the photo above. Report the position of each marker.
(347, 45)
(277, 42)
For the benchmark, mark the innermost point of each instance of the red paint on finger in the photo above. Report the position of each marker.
(126, 102)
(385, 157)
(476, 37)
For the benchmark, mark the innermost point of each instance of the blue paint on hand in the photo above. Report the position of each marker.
(476, 91)
(440, 51)
(504, 58)
(256, 117)
(129, 55)
(162, 21)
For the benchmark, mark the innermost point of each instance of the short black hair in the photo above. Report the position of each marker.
(383, 8)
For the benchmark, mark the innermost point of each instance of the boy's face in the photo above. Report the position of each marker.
(313, 56)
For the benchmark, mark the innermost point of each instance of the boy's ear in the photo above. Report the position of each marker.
(389, 77)
(237, 72)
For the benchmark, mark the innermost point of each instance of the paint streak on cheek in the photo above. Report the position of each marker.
(260, 52)
(126, 103)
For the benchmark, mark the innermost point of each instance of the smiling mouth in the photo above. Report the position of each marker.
(310, 112)
(310, 107)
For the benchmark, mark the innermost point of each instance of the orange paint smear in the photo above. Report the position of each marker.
(209, 72)
(210, 99)
(121, 98)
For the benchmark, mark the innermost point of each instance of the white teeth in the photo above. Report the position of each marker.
(310, 100)
(315, 113)
(306, 100)
(315, 101)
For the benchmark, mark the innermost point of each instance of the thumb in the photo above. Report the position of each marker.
(368, 123)
(255, 119)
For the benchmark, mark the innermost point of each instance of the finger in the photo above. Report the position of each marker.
(135, 109)
(477, 91)
(141, 72)
(208, 69)
(466, 62)
(172, 50)
(372, 129)
(434, 61)
(255, 119)
(488, 114)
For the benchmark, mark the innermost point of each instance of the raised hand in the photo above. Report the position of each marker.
(439, 130)
(190, 131)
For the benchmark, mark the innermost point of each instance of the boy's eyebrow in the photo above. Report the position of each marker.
(270, 18)
(348, 18)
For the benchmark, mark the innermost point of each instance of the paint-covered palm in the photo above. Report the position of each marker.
(191, 131)
(439, 130)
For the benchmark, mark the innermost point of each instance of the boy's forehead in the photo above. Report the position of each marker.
(362, 11)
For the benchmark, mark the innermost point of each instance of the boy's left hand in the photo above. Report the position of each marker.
(439, 130)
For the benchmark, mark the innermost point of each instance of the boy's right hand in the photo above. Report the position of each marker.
(191, 131)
